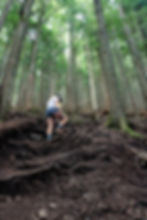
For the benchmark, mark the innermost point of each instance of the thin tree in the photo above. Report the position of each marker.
(91, 80)
(71, 73)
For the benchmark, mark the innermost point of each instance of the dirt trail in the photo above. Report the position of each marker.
(88, 173)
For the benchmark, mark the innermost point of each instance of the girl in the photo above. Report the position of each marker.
(54, 115)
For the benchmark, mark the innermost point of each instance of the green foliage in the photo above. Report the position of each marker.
(58, 18)
(54, 29)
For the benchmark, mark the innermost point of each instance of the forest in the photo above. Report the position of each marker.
(93, 55)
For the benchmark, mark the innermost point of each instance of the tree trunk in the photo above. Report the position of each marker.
(14, 55)
(92, 83)
(72, 95)
(45, 83)
(128, 98)
(104, 98)
(31, 77)
(136, 55)
(108, 66)
(125, 85)
(5, 13)
(44, 89)
(143, 30)
(140, 38)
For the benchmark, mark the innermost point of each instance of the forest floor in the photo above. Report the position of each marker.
(87, 173)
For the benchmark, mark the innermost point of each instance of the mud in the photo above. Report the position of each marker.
(86, 173)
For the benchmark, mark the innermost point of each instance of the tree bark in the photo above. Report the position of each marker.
(92, 83)
(44, 88)
(45, 82)
(136, 55)
(72, 95)
(108, 66)
(125, 86)
(14, 55)
(143, 29)
(31, 77)
(5, 13)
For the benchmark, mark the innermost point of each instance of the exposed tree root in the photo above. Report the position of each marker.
(141, 154)
(122, 124)
(83, 170)
(125, 127)
(32, 167)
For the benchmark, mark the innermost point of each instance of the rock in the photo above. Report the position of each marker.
(90, 196)
(34, 217)
(4, 199)
(43, 214)
(102, 206)
(36, 137)
(68, 217)
(87, 218)
(18, 198)
(52, 205)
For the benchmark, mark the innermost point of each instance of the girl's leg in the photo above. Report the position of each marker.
(50, 128)
(62, 121)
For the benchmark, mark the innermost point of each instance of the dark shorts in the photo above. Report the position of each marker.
(53, 113)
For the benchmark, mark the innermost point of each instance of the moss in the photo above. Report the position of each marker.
(122, 125)
(125, 127)
(112, 123)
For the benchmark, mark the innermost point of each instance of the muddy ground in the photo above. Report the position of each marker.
(87, 173)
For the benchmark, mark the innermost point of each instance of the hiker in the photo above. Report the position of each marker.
(56, 118)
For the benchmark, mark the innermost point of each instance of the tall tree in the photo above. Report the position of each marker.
(109, 67)
(91, 80)
(14, 54)
(30, 82)
(136, 55)
(71, 74)
(35, 37)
